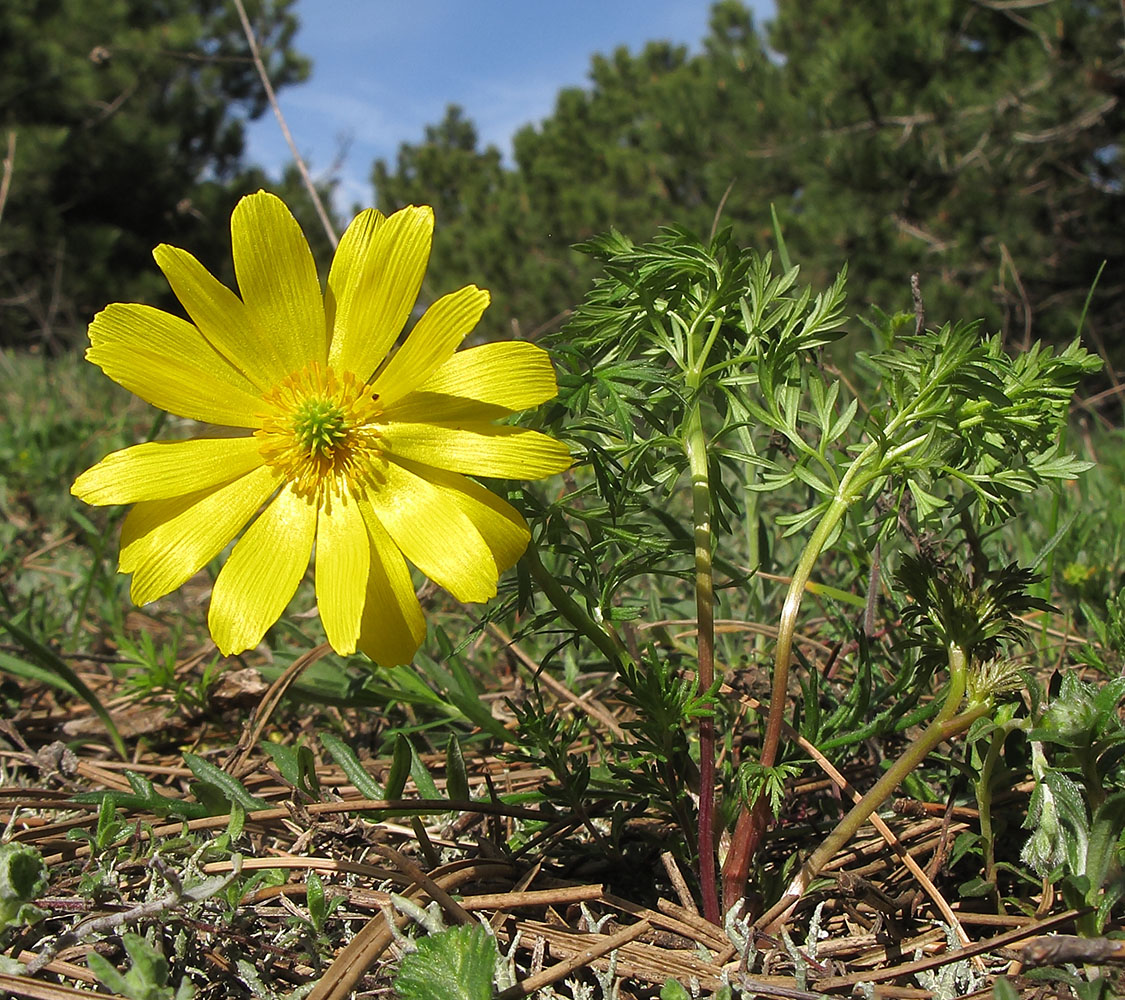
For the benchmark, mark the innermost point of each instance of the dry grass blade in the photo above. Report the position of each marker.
(256, 55)
(33, 989)
(432, 889)
(829, 983)
(237, 763)
(582, 956)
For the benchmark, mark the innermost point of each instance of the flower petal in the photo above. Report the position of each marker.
(480, 384)
(431, 407)
(431, 343)
(373, 284)
(166, 542)
(393, 626)
(342, 559)
(262, 573)
(161, 469)
(502, 527)
(432, 532)
(277, 278)
(477, 449)
(513, 374)
(220, 316)
(166, 361)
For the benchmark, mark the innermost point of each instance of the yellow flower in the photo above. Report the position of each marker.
(360, 454)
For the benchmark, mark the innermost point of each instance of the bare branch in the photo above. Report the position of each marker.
(9, 166)
(297, 158)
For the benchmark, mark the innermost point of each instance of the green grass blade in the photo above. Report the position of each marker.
(353, 770)
(48, 660)
(231, 788)
(782, 249)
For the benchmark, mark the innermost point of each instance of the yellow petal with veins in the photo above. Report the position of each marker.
(342, 560)
(373, 284)
(393, 626)
(262, 573)
(431, 343)
(432, 532)
(158, 470)
(166, 542)
(277, 278)
(166, 361)
(477, 450)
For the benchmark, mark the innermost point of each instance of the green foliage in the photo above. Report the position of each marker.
(1077, 810)
(297, 766)
(319, 906)
(454, 964)
(56, 422)
(23, 878)
(350, 763)
(109, 828)
(127, 124)
(216, 791)
(547, 739)
(946, 138)
(216, 787)
(677, 324)
(656, 760)
(755, 782)
(694, 369)
(1109, 629)
(980, 617)
(950, 140)
(44, 664)
(147, 978)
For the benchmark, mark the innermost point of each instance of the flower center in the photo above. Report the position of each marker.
(319, 425)
(317, 432)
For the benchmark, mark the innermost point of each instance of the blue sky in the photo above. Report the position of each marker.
(384, 69)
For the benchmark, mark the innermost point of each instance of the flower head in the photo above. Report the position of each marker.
(354, 450)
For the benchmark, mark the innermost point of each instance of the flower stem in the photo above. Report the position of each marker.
(983, 788)
(753, 817)
(787, 626)
(944, 726)
(695, 444)
(607, 641)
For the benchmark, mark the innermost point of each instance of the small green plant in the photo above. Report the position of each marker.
(1077, 810)
(457, 963)
(23, 878)
(311, 922)
(673, 990)
(698, 391)
(147, 976)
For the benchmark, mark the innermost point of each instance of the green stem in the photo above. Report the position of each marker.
(607, 642)
(1049, 573)
(944, 726)
(1095, 791)
(751, 821)
(695, 444)
(984, 802)
(983, 789)
(787, 626)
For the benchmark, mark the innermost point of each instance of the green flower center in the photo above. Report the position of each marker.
(319, 425)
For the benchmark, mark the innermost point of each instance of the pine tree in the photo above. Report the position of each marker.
(124, 119)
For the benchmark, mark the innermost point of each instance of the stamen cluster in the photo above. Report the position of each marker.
(318, 434)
